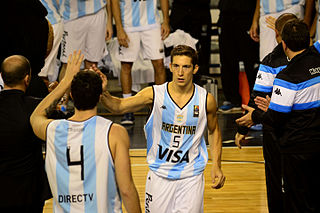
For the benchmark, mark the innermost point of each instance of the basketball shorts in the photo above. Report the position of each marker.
(149, 42)
(267, 36)
(166, 195)
(50, 68)
(87, 34)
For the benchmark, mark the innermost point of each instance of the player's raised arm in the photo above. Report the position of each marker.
(215, 142)
(132, 104)
(38, 119)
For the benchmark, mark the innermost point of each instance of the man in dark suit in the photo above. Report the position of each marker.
(23, 181)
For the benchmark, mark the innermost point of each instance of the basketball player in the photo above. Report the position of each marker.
(87, 159)
(176, 149)
(139, 29)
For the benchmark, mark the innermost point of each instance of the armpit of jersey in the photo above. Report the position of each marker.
(265, 78)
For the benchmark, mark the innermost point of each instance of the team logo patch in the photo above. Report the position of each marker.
(195, 110)
(179, 118)
(277, 91)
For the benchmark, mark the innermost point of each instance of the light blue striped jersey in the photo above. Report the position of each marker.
(80, 167)
(276, 6)
(52, 7)
(139, 15)
(176, 147)
(72, 9)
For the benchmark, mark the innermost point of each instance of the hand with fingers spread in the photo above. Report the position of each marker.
(246, 120)
(262, 103)
(217, 176)
(73, 66)
(239, 138)
(271, 22)
(102, 76)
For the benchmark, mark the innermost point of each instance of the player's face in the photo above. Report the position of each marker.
(182, 70)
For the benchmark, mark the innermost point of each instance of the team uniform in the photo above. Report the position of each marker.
(275, 9)
(176, 152)
(294, 116)
(50, 68)
(80, 167)
(141, 22)
(84, 28)
(271, 65)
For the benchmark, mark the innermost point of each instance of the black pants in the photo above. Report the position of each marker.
(272, 157)
(301, 182)
(195, 20)
(235, 45)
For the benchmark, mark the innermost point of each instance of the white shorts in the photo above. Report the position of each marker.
(87, 34)
(51, 69)
(267, 36)
(172, 196)
(149, 42)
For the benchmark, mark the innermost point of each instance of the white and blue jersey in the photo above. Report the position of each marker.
(176, 147)
(80, 167)
(52, 7)
(295, 103)
(271, 65)
(276, 6)
(72, 9)
(139, 15)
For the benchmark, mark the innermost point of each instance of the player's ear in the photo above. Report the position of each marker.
(196, 68)
(170, 67)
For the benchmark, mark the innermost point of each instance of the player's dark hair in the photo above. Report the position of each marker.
(295, 35)
(86, 88)
(14, 69)
(283, 19)
(184, 50)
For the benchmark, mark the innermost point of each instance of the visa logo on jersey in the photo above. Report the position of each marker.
(173, 155)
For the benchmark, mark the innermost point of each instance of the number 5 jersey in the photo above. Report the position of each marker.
(176, 147)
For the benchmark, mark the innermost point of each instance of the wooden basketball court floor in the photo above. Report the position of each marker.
(244, 190)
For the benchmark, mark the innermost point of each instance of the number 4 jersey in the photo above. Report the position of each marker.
(176, 147)
(80, 168)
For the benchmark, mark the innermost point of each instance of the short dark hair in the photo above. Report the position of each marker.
(14, 69)
(184, 50)
(86, 88)
(283, 19)
(295, 35)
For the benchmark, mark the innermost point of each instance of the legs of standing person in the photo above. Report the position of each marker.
(87, 34)
(229, 59)
(173, 196)
(272, 157)
(301, 182)
(160, 72)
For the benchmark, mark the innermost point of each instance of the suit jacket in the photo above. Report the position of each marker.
(22, 176)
